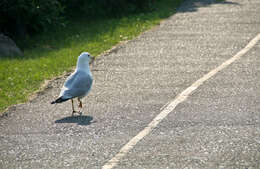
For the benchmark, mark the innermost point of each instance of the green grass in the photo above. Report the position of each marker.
(50, 54)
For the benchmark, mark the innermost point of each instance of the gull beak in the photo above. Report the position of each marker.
(91, 59)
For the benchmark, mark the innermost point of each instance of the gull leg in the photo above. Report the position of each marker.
(80, 106)
(73, 110)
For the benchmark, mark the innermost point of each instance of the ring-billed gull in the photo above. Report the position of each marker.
(78, 84)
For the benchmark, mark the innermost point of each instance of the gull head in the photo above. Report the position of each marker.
(84, 60)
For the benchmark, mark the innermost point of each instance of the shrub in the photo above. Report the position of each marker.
(19, 17)
(113, 8)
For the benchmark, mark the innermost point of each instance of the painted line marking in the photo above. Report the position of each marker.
(171, 106)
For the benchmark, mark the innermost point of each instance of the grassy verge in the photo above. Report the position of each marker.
(52, 53)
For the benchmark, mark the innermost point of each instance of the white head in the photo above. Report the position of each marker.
(83, 60)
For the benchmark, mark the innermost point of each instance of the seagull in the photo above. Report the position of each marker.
(78, 84)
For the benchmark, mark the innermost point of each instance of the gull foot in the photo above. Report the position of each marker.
(73, 112)
(79, 112)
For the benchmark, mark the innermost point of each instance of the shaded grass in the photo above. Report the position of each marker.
(50, 54)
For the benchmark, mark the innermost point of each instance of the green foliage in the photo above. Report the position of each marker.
(18, 17)
(106, 7)
(22, 17)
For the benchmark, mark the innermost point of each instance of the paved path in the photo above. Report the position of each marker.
(217, 126)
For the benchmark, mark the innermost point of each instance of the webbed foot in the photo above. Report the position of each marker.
(73, 112)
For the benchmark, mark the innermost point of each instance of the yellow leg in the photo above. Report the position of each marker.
(80, 106)
(73, 110)
(80, 103)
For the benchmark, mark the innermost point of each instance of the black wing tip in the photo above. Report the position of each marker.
(59, 100)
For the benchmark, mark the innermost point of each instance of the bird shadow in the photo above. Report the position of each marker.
(80, 120)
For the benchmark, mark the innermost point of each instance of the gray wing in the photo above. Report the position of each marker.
(77, 84)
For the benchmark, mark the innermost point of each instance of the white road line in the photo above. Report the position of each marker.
(171, 106)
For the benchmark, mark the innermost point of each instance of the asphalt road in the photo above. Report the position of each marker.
(217, 126)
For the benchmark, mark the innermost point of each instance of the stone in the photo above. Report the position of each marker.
(8, 47)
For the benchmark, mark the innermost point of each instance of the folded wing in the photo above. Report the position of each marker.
(77, 84)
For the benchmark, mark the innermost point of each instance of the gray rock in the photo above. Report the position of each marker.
(8, 47)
